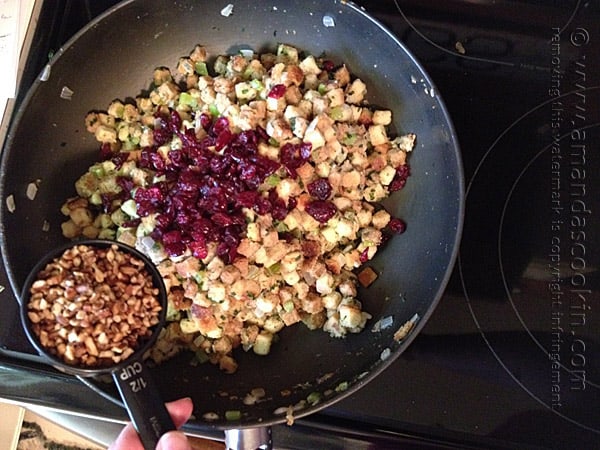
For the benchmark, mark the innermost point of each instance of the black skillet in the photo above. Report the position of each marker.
(131, 375)
(113, 57)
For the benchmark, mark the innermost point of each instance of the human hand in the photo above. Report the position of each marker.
(180, 411)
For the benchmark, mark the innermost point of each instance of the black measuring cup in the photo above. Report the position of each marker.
(138, 391)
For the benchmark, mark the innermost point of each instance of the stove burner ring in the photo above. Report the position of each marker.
(550, 358)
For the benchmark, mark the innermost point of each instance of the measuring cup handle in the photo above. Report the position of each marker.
(146, 409)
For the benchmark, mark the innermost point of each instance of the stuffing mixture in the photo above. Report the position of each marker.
(253, 182)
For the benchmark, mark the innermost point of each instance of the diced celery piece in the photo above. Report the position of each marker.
(274, 269)
(336, 113)
(257, 85)
(95, 198)
(98, 170)
(343, 386)
(313, 398)
(349, 139)
(288, 306)
(107, 233)
(233, 415)
(185, 98)
(200, 68)
(273, 180)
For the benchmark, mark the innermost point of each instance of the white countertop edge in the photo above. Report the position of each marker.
(29, 17)
(93, 428)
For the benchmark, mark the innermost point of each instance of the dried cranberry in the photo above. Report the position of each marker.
(262, 133)
(219, 125)
(231, 235)
(171, 237)
(403, 171)
(223, 139)
(364, 256)
(247, 139)
(222, 219)
(216, 201)
(247, 199)
(161, 136)
(163, 221)
(131, 223)
(226, 252)
(262, 206)
(106, 151)
(198, 248)
(400, 178)
(396, 225)
(150, 159)
(202, 226)
(292, 156)
(250, 173)
(201, 198)
(219, 164)
(292, 202)
(279, 209)
(178, 159)
(107, 203)
(277, 91)
(321, 210)
(174, 121)
(183, 219)
(175, 248)
(365, 120)
(188, 180)
(189, 141)
(119, 159)
(205, 121)
(125, 183)
(320, 188)
(328, 65)
(148, 199)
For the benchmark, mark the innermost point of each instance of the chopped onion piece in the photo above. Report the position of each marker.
(382, 324)
(281, 410)
(10, 203)
(46, 73)
(227, 11)
(385, 354)
(210, 416)
(328, 21)
(66, 93)
(247, 53)
(32, 189)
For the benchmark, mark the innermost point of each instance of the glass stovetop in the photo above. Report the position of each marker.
(511, 356)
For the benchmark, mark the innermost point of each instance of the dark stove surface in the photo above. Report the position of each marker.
(511, 356)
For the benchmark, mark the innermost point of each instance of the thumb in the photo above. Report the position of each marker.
(173, 440)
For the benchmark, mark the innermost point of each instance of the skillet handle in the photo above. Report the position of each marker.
(249, 439)
(146, 409)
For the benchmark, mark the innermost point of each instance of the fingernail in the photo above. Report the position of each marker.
(173, 440)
